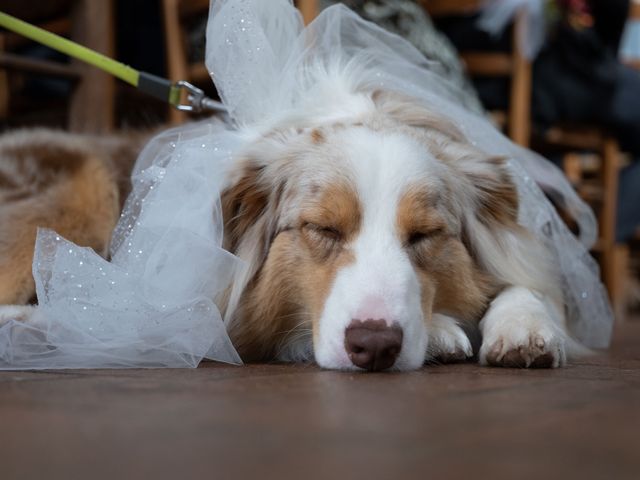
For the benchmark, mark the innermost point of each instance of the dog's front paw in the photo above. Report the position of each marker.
(519, 332)
(447, 341)
(523, 347)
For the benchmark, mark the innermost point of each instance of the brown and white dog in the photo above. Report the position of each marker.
(370, 242)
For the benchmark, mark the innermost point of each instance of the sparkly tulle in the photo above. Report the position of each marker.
(153, 304)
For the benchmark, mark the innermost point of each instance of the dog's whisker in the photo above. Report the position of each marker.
(292, 336)
(298, 333)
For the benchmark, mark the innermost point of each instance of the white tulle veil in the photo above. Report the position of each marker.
(152, 304)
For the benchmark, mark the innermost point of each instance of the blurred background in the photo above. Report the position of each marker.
(561, 77)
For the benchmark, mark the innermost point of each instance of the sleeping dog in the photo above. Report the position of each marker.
(372, 242)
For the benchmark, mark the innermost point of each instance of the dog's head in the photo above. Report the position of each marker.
(356, 233)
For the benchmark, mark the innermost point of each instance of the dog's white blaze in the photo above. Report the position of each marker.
(381, 283)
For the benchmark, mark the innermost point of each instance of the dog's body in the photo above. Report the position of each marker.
(370, 242)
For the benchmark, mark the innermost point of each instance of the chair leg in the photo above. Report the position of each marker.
(519, 122)
(176, 54)
(618, 288)
(610, 170)
(92, 103)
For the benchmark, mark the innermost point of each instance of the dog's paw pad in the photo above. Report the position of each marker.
(537, 350)
(458, 355)
(448, 345)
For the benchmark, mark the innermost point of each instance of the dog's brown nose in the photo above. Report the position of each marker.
(372, 344)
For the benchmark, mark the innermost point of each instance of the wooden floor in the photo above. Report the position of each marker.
(279, 421)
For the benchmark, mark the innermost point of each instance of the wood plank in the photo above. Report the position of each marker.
(176, 50)
(607, 218)
(487, 64)
(619, 282)
(11, 61)
(188, 8)
(520, 95)
(198, 72)
(92, 104)
(291, 421)
(443, 8)
(582, 138)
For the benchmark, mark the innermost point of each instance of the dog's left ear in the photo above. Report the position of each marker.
(491, 232)
(494, 193)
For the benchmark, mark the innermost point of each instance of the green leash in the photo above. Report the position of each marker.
(157, 87)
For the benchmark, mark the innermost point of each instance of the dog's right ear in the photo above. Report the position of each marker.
(249, 212)
(244, 201)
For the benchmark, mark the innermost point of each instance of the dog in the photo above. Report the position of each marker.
(373, 242)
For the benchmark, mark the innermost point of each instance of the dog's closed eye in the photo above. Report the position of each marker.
(416, 238)
(322, 231)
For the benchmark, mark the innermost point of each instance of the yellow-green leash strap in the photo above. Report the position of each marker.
(153, 85)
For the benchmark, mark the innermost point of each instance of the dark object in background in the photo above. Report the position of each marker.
(628, 203)
(578, 75)
(577, 78)
(41, 87)
(574, 78)
(38, 99)
(610, 17)
(467, 37)
(140, 43)
(139, 35)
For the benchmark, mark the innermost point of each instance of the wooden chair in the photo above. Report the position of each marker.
(90, 23)
(513, 65)
(595, 177)
(601, 190)
(597, 182)
(176, 12)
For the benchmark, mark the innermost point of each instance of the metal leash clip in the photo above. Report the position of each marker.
(197, 101)
(158, 87)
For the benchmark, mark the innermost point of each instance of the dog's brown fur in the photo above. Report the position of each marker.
(74, 184)
(297, 273)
